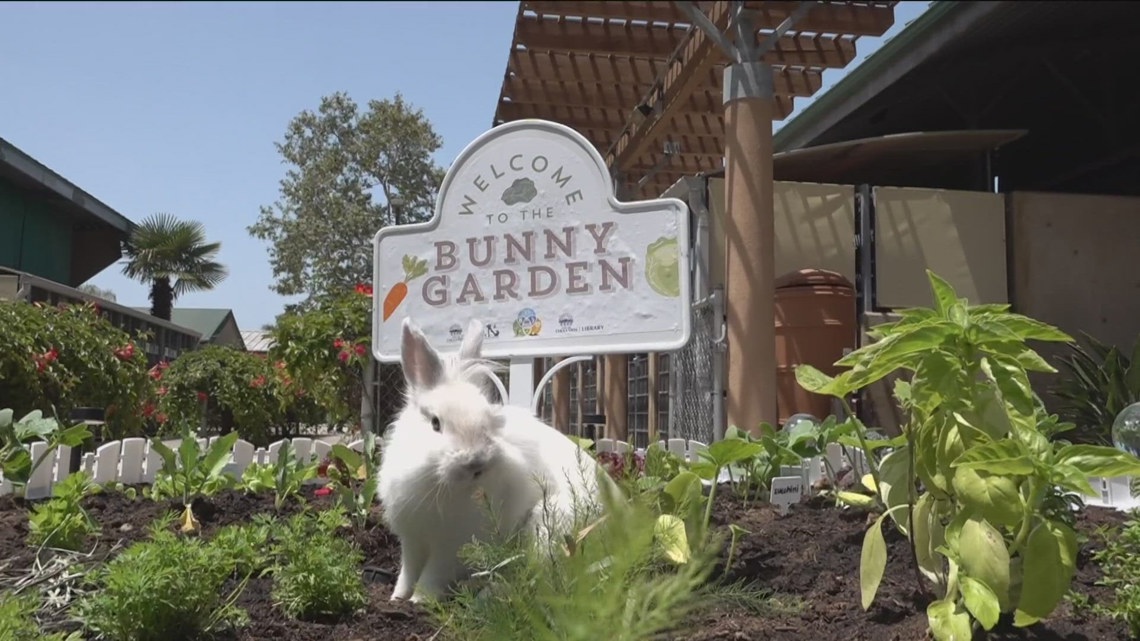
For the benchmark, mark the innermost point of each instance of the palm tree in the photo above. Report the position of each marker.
(174, 257)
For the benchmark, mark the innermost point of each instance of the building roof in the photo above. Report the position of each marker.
(204, 321)
(1057, 70)
(643, 83)
(256, 340)
(29, 172)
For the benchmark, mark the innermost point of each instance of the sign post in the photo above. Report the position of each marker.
(529, 238)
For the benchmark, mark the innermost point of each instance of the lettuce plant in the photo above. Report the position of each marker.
(973, 486)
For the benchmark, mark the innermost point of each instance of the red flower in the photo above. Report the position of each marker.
(343, 356)
(160, 417)
(162, 391)
(279, 364)
(202, 396)
(126, 352)
(148, 409)
(156, 373)
(361, 350)
(323, 469)
(163, 365)
(338, 343)
(364, 288)
(322, 491)
(258, 382)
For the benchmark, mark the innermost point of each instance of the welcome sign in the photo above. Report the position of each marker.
(528, 238)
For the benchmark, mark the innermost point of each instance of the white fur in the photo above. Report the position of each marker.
(427, 489)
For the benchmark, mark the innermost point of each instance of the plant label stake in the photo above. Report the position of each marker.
(786, 491)
(529, 238)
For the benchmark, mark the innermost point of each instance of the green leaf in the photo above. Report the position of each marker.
(1098, 460)
(854, 499)
(218, 455)
(980, 601)
(169, 463)
(73, 436)
(894, 475)
(1072, 479)
(948, 622)
(669, 531)
(997, 498)
(985, 557)
(1049, 561)
(683, 487)
(350, 457)
(1006, 456)
(1029, 329)
(928, 535)
(873, 560)
(813, 380)
(944, 295)
(726, 452)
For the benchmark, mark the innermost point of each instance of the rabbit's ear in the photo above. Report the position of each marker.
(472, 345)
(421, 363)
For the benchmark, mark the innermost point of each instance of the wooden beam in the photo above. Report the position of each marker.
(548, 72)
(552, 35)
(678, 164)
(699, 103)
(852, 18)
(679, 83)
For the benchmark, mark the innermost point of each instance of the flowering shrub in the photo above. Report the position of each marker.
(57, 358)
(326, 348)
(622, 466)
(236, 390)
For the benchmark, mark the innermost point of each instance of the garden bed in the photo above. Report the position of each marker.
(809, 558)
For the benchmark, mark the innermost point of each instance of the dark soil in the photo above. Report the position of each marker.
(809, 557)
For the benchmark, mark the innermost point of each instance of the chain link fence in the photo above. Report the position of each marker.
(696, 399)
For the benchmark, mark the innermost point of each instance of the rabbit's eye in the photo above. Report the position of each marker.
(435, 425)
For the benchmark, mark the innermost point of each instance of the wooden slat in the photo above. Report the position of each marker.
(857, 19)
(600, 119)
(537, 34)
(609, 70)
(659, 11)
(699, 103)
(546, 72)
(854, 19)
(679, 164)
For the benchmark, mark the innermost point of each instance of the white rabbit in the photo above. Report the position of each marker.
(450, 449)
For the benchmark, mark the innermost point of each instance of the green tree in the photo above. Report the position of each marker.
(174, 257)
(95, 290)
(350, 172)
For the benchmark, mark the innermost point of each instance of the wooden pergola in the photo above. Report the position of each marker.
(637, 78)
(671, 89)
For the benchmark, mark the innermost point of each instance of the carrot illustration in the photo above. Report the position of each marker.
(413, 269)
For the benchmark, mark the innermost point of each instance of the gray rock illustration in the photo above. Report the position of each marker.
(520, 192)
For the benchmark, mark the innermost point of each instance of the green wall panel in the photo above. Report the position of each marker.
(33, 237)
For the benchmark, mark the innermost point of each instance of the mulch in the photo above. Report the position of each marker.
(809, 557)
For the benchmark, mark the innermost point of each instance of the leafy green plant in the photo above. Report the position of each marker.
(979, 441)
(352, 476)
(161, 589)
(285, 477)
(191, 473)
(18, 622)
(232, 389)
(16, 438)
(612, 584)
(1119, 561)
(318, 574)
(326, 348)
(1099, 382)
(57, 358)
(247, 545)
(61, 522)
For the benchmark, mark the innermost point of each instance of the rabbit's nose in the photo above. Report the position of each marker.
(475, 467)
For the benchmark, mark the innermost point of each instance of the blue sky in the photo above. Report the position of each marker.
(176, 106)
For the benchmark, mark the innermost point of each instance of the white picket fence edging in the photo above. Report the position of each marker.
(132, 461)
